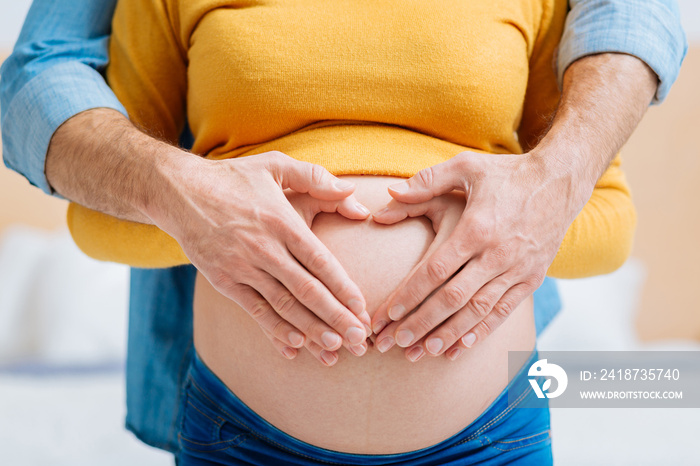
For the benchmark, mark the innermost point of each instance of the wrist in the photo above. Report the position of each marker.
(561, 154)
(564, 176)
(170, 180)
(100, 160)
(604, 97)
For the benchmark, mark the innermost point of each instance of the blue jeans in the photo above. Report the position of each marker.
(219, 429)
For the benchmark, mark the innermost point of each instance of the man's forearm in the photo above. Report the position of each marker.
(220, 213)
(99, 159)
(603, 100)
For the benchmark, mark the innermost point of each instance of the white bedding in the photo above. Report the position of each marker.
(69, 421)
(77, 420)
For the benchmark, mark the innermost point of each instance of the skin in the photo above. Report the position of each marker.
(380, 403)
(235, 211)
(519, 208)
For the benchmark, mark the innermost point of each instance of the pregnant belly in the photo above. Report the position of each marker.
(377, 403)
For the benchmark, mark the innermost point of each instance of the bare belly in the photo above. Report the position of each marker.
(377, 403)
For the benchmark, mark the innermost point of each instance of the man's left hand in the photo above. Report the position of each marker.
(519, 207)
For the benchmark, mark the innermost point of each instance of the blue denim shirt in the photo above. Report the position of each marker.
(54, 73)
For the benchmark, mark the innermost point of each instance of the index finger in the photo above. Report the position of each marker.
(338, 292)
(431, 272)
(306, 177)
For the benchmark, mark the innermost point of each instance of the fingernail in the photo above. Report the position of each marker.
(343, 185)
(385, 344)
(358, 350)
(363, 209)
(356, 306)
(415, 354)
(454, 353)
(396, 311)
(328, 357)
(434, 345)
(296, 339)
(330, 339)
(469, 339)
(369, 330)
(379, 326)
(400, 187)
(381, 212)
(288, 352)
(404, 338)
(355, 335)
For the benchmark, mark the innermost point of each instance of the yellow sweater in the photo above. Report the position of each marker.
(382, 87)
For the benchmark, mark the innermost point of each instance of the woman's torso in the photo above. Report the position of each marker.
(452, 71)
(377, 403)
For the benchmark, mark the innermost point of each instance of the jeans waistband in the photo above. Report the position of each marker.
(498, 412)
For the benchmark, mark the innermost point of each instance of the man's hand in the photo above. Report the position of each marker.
(518, 210)
(235, 224)
(308, 207)
(231, 218)
(517, 213)
(444, 213)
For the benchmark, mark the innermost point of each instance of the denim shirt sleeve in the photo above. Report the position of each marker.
(52, 75)
(649, 30)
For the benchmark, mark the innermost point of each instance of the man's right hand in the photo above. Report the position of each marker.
(235, 224)
(231, 218)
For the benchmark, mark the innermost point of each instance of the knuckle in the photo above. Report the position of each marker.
(284, 304)
(426, 176)
(500, 254)
(336, 319)
(314, 328)
(265, 254)
(413, 295)
(503, 309)
(423, 323)
(258, 309)
(279, 330)
(437, 271)
(453, 332)
(344, 289)
(222, 281)
(277, 156)
(312, 346)
(461, 161)
(454, 296)
(484, 328)
(319, 260)
(318, 174)
(272, 159)
(479, 306)
(463, 250)
(307, 291)
(274, 222)
(480, 231)
(536, 279)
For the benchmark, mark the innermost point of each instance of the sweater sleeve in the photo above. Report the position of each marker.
(600, 238)
(148, 74)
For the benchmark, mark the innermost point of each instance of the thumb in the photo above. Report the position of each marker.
(349, 207)
(308, 207)
(395, 211)
(306, 177)
(430, 182)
